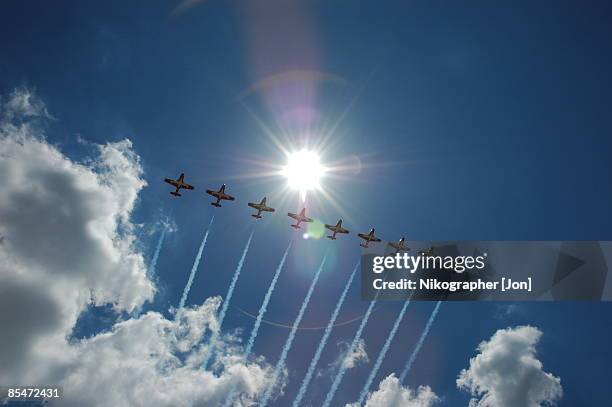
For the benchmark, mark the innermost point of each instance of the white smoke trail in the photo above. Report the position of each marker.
(228, 297)
(194, 268)
(255, 330)
(419, 344)
(281, 361)
(382, 354)
(323, 342)
(153, 265)
(264, 305)
(342, 369)
(160, 242)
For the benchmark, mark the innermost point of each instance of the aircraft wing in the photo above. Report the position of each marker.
(369, 237)
(337, 229)
(397, 246)
(171, 181)
(293, 215)
(254, 205)
(213, 193)
(187, 186)
(305, 219)
(267, 209)
(227, 197)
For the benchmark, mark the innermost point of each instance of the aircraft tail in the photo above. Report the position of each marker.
(364, 245)
(175, 193)
(256, 216)
(296, 227)
(331, 237)
(216, 204)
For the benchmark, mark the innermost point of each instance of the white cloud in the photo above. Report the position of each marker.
(504, 311)
(507, 373)
(68, 242)
(356, 357)
(154, 361)
(69, 223)
(391, 393)
(345, 359)
(23, 105)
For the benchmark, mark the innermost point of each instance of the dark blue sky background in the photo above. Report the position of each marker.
(480, 121)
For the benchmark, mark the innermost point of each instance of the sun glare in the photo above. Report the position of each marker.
(303, 171)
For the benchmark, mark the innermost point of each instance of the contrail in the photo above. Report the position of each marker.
(323, 342)
(194, 268)
(383, 353)
(419, 344)
(283, 357)
(262, 311)
(228, 297)
(160, 242)
(153, 264)
(342, 369)
(264, 305)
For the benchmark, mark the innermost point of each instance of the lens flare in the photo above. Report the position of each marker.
(303, 171)
(316, 229)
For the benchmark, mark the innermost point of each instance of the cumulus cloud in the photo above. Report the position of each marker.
(507, 373)
(391, 393)
(69, 223)
(67, 243)
(154, 361)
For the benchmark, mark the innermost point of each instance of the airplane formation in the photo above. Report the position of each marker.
(221, 195)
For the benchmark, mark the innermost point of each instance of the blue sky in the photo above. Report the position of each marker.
(471, 122)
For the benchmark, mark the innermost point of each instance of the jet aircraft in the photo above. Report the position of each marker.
(336, 229)
(300, 217)
(220, 195)
(400, 246)
(369, 237)
(178, 184)
(260, 207)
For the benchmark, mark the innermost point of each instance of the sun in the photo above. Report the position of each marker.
(303, 171)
